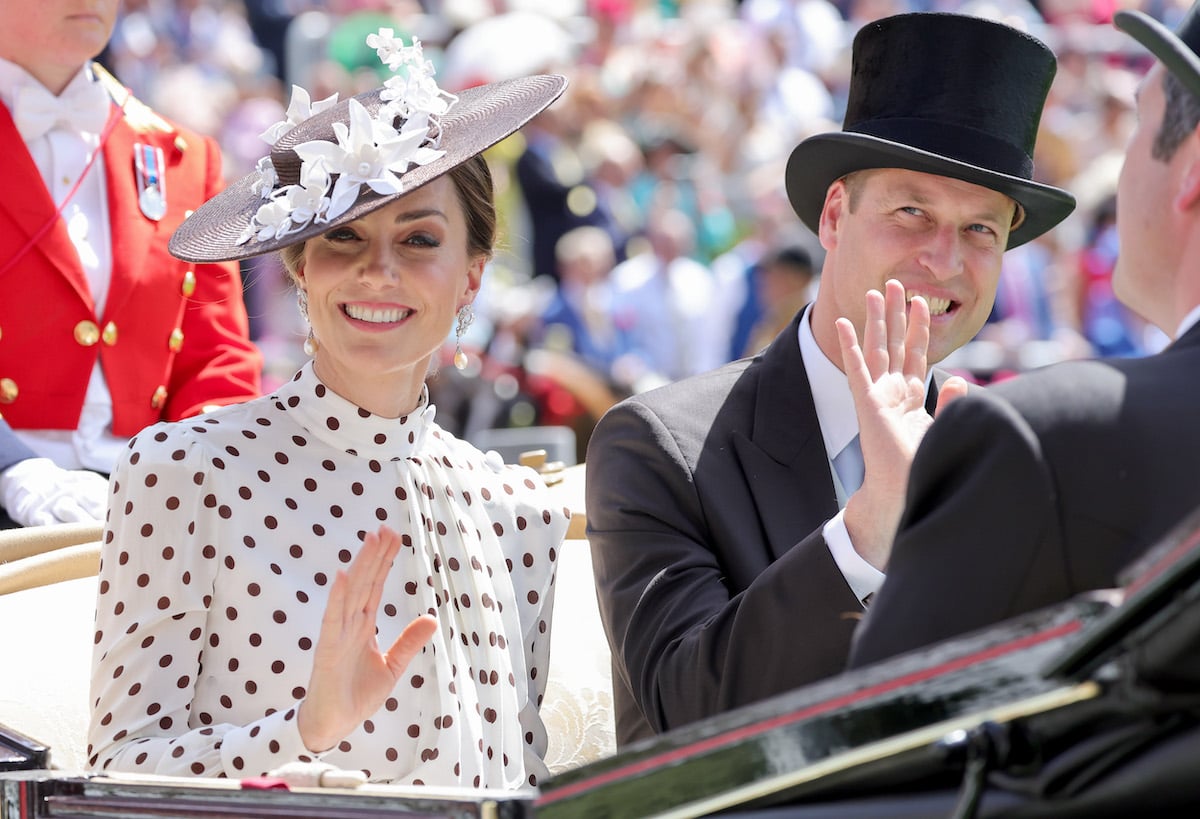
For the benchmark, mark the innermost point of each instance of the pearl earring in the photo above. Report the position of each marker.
(310, 342)
(466, 315)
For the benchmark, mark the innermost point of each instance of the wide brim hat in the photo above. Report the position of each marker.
(946, 94)
(1179, 51)
(480, 117)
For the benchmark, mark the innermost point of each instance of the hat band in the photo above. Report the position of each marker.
(967, 145)
(287, 166)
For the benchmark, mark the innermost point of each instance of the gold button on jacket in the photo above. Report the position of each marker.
(87, 333)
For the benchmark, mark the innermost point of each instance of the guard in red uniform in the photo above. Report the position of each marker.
(102, 331)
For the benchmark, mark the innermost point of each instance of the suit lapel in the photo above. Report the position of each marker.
(784, 459)
(30, 212)
(132, 232)
(935, 385)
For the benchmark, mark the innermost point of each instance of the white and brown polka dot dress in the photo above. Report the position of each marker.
(224, 535)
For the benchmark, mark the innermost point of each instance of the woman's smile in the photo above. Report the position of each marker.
(376, 316)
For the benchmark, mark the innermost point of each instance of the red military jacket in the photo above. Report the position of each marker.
(174, 336)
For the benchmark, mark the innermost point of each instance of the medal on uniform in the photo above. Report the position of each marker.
(152, 187)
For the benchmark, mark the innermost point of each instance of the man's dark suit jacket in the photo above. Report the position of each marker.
(705, 504)
(1037, 489)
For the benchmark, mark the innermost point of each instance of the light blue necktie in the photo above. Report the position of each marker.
(849, 466)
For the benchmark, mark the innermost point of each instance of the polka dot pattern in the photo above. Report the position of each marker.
(225, 534)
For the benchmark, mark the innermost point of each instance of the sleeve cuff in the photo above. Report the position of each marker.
(863, 578)
(12, 449)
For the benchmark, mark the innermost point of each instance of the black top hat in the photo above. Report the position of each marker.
(1178, 51)
(230, 225)
(946, 94)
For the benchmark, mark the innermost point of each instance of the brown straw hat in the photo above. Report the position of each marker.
(224, 228)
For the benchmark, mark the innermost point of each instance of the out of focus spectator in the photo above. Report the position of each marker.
(770, 223)
(667, 303)
(580, 318)
(553, 186)
(782, 283)
(611, 160)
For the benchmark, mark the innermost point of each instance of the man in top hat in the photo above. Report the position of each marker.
(733, 559)
(102, 331)
(1049, 484)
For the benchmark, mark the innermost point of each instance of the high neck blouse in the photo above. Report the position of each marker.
(224, 536)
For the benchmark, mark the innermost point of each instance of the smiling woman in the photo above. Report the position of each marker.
(324, 572)
(381, 294)
(365, 314)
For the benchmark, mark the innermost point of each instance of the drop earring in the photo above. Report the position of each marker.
(466, 315)
(310, 342)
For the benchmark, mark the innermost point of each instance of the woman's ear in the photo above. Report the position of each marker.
(474, 276)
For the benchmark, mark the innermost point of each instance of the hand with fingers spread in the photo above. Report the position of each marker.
(887, 379)
(351, 677)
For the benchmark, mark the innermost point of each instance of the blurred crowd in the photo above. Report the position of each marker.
(646, 232)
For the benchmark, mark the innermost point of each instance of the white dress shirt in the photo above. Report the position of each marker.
(1188, 321)
(839, 425)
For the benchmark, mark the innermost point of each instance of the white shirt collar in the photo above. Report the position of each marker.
(830, 391)
(1188, 321)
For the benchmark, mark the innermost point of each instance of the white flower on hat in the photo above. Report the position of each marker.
(369, 151)
(271, 221)
(293, 206)
(267, 180)
(308, 199)
(299, 109)
(391, 50)
(415, 90)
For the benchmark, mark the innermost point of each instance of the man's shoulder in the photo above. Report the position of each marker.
(698, 401)
(1068, 395)
(1059, 387)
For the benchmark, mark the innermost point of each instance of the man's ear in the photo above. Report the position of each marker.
(1187, 192)
(837, 203)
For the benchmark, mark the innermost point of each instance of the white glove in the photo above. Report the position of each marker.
(37, 492)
